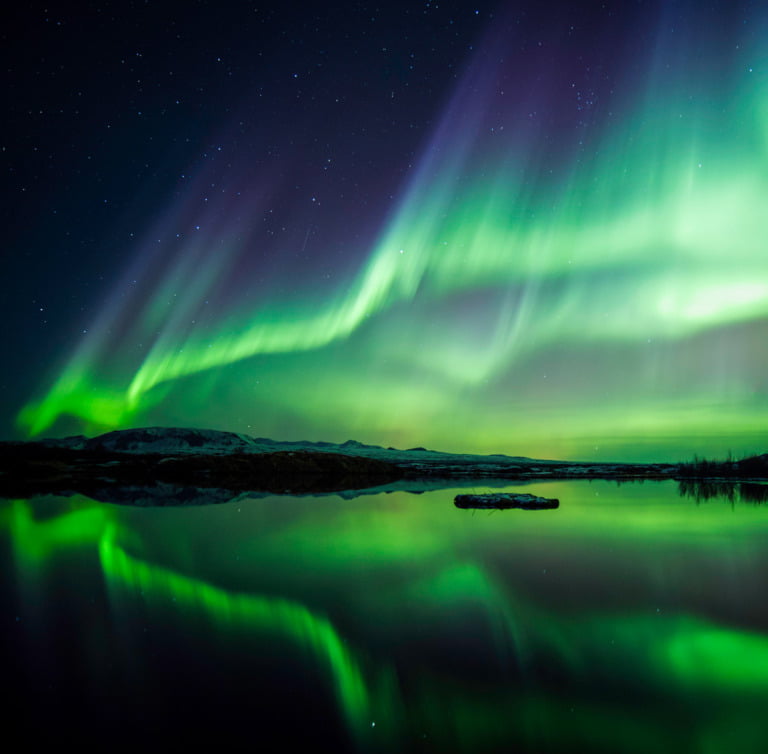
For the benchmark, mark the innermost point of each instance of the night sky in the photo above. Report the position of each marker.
(524, 227)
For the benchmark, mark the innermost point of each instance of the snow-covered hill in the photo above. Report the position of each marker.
(173, 441)
(182, 441)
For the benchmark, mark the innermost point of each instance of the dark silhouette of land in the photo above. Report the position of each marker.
(183, 466)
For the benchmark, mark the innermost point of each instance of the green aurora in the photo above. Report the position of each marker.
(527, 597)
(600, 294)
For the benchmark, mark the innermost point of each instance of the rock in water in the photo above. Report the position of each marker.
(502, 500)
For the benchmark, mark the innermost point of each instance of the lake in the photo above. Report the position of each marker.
(630, 619)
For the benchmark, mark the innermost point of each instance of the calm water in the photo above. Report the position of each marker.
(630, 619)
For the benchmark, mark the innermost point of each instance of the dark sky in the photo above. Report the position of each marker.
(109, 104)
(302, 134)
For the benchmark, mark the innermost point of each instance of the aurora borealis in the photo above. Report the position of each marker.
(629, 619)
(515, 228)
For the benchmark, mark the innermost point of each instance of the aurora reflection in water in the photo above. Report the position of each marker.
(629, 619)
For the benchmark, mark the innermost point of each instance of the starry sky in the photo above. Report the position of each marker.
(531, 228)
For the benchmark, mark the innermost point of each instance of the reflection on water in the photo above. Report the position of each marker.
(701, 491)
(628, 620)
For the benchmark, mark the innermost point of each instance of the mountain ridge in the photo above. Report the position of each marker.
(184, 440)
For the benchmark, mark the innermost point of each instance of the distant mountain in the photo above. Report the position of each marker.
(172, 441)
(155, 464)
(182, 441)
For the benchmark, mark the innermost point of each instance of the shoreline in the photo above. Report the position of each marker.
(191, 475)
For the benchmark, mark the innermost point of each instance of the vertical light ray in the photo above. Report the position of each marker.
(641, 221)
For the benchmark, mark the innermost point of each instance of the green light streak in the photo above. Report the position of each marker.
(315, 634)
(648, 238)
(699, 653)
(410, 573)
(668, 306)
(36, 541)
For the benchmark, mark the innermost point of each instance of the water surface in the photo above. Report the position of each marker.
(628, 620)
